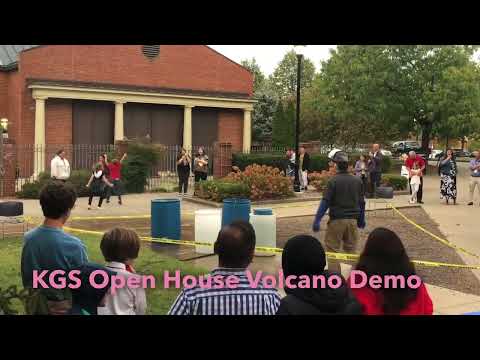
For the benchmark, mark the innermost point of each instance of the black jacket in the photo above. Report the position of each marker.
(320, 301)
(343, 194)
(306, 162)
(377, 161)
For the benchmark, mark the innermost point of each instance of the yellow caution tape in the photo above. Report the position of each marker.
(443, 241)
(330, 255)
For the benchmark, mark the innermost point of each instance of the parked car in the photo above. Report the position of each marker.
(461, 153)
(386, 152)
(403, 147)
(435, 154)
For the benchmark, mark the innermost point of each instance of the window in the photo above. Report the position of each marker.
(151, 51)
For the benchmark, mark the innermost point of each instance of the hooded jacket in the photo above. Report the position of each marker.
(320, 301)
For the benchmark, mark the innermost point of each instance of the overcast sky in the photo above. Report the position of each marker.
(268, 56)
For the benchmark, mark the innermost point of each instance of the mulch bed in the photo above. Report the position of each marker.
(419, 245)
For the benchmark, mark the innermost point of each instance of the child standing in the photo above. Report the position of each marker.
(120, 248)
(415, 181)
(96, 184)
(115, 170)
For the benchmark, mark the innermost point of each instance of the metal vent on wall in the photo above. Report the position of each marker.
(151, 51)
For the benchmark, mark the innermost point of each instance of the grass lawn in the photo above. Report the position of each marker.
(148, 263)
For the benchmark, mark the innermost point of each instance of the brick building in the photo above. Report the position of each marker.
(186, 95)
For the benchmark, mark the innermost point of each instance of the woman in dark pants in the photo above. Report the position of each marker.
(200, 166)
(183, 170)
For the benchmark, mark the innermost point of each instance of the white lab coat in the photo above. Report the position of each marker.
(59, 168)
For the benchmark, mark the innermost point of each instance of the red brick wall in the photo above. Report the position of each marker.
(58, 121)
(230, 128)
(14, 100)
(3, 94)
(178, 66)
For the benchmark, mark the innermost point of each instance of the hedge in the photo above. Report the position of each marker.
(317, 162)
(218, 190)
(396, 181)
(78, 179)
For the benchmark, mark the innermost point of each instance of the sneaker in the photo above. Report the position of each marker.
(420, 202)
(89, 207)
(99, 208)
(470, 203)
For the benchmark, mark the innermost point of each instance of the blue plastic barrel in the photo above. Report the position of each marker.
(166, 218)
(264, 211)
(235, 209)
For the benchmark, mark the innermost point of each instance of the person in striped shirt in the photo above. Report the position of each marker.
(235, 247)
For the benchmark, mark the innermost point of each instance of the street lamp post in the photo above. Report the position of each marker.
(3, 130)
(296, 183)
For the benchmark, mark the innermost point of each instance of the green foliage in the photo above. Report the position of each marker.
(78, 179)
(240, 160)
(254, 68)
(284, 78)
(218, 190)
(283, 127)
(7, 298)
(138, 165)
(263, 116)
(397, 182)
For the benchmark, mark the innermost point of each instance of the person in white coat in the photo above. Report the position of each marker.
(120, 248)
(60, 167)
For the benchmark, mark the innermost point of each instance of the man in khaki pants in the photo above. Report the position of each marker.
(474, 175)
(345, 198)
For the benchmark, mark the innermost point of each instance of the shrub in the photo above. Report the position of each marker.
(243, 160)
(396, 181)
(218, 190)
(264, 182)
(78, 179)
(138, 165)
(319, 180)
(317, 162)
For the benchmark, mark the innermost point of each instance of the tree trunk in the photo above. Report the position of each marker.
(426, 132)
(463, 143)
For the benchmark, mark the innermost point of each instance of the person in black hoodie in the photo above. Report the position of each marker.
(304, 255)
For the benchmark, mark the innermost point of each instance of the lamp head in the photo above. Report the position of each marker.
(4, 123)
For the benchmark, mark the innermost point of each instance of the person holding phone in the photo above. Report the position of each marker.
(183, 171)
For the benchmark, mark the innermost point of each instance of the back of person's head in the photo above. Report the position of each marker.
(235, 245)
(57, 200)
(303, 255)
(384, 254)
(342, 166)
(120, 245)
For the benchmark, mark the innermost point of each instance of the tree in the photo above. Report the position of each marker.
(258, 76)
(262, 117)
(389, 89)
(457, 100)
(283, 129)
(284, 78)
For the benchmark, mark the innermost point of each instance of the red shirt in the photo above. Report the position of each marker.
(372, 302)
(418, 159)
(115, 170)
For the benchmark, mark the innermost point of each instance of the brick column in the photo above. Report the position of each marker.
(222, 161)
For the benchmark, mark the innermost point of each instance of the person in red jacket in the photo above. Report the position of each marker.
(384, 254)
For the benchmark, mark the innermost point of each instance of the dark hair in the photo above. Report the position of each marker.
(342, 165)
(57, 199)
(120, 244)
(453, 154)
(303, 255)
(384, 254)
(60, 151)
(235, 245)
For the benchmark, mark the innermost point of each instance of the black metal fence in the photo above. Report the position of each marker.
(29, 162)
